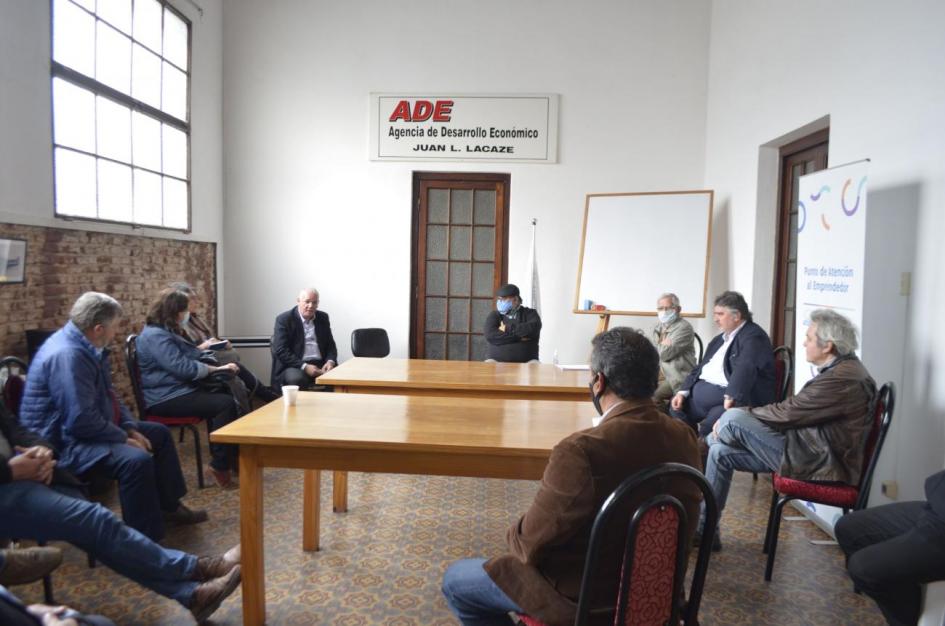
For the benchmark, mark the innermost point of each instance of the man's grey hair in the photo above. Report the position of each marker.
(94, 308)
(673, 299)
(307, 290)
(734, 301)
(835, 328)
(627, 360)
(183, 287)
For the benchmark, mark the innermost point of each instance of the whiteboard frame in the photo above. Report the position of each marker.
(651, 313)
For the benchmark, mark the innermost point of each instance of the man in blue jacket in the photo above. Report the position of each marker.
(70, 402)
(736, 371)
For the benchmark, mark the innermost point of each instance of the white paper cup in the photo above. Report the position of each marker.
(290, 394)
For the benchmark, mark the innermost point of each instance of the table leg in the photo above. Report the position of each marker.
(251, 537)
(311, 496)
(339, 492)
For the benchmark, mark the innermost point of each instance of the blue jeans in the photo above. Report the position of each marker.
(743, 443)
(147, 483)
(474, 598)
(31, 510)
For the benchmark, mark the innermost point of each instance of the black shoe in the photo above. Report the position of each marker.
(266, 394)
(185, 515)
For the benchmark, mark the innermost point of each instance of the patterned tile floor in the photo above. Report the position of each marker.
(381, 562)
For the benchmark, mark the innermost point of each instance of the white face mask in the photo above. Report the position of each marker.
(666, 317)
(186, 318)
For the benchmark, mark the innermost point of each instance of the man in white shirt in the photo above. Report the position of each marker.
(736, 371)
(302, 345)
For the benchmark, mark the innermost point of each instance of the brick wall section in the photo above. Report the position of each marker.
(61, 264)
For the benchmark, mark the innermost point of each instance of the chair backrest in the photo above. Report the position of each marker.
(372, 342)
(34, 339)
(700, 348)
(13, 375)
(653, 566)
(134, 373)
(783, 372)
(882, 411)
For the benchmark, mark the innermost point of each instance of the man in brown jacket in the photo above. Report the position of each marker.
(819, 434)
(541, 575)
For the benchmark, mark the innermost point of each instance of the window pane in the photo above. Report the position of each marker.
(459, 314)
(434, 346)
(146, 76)
(75, 184)
(117, 13)
(111, 58)
(146, 141)
(147, 200)
(460, 243)
(175, 39)
(73, 37)
(436, 242)
(461, 210)
(74, 115)
(459, 279)
(438, 209)
(480, 311)
(478, 348)
(175, 203)
(174, 92)
(175, 152)
(113, 130)
(147, 23)
(458, 347)
(485, 207)
(484, 243)
(114, 191)
(436, 278)
(482, 280)
(435, 314)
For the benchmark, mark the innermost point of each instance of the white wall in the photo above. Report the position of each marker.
(877, 69)
(26, 187)
(305, 206)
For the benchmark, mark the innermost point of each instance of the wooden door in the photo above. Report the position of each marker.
(803, 156)
(460, 252)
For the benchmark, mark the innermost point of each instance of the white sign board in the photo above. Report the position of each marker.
(831, 251)
(434, 127)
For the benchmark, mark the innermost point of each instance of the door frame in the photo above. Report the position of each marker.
(419, 177)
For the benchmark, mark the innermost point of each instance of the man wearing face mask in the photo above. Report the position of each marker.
(673, 338)
(541, 573)
(512, 330)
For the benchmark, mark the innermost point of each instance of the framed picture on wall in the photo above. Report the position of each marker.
(12, 260)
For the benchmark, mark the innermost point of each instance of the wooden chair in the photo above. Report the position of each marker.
(189, 423)
(846, 497)
(654, 561)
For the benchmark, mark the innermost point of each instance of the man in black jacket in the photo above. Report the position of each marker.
(512, 330)
(42, 502)
(736, 371)
(893, 550)
(302, 346)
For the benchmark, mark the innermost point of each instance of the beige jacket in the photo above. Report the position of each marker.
(679, 357)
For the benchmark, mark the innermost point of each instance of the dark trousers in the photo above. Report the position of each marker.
(703, 407)
(219, 409)
(147, 483)
(31, 510)
(296, 376)
(892, 550)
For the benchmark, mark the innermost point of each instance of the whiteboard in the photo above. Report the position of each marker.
(637, 246)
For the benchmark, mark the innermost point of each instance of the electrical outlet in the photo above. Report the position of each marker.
(890, 489)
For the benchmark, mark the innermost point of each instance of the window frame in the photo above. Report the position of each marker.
(76, 78)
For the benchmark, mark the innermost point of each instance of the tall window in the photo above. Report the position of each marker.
(121, 120)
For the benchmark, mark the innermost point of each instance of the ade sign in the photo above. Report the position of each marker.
(429, 127)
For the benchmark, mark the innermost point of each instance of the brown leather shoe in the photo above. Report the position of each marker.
(184, 515)
(210, 567)
(222, 477)
(210, 595)
(25, 565)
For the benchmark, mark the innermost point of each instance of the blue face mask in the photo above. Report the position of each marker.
(503, 306)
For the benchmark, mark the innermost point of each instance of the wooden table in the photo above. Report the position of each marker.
(393, 434)
(462, 379)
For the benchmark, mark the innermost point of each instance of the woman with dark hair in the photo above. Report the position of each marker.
(171, 367)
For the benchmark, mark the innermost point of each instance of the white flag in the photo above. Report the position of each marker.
(531, 294)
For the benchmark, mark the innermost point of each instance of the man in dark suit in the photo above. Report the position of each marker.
(302, 346)
(893, 550)
(736, 371)
(541, 573)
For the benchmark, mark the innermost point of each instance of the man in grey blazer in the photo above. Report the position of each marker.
(673, 337)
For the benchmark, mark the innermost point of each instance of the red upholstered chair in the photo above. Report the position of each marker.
(654, 562)
(840, 495)
(190, 423)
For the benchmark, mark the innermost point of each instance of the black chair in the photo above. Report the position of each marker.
(13, 375)
(846, 497)
(783, 372)
(370, 342)
(34, 339)
(700, 351)
(653, 566)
